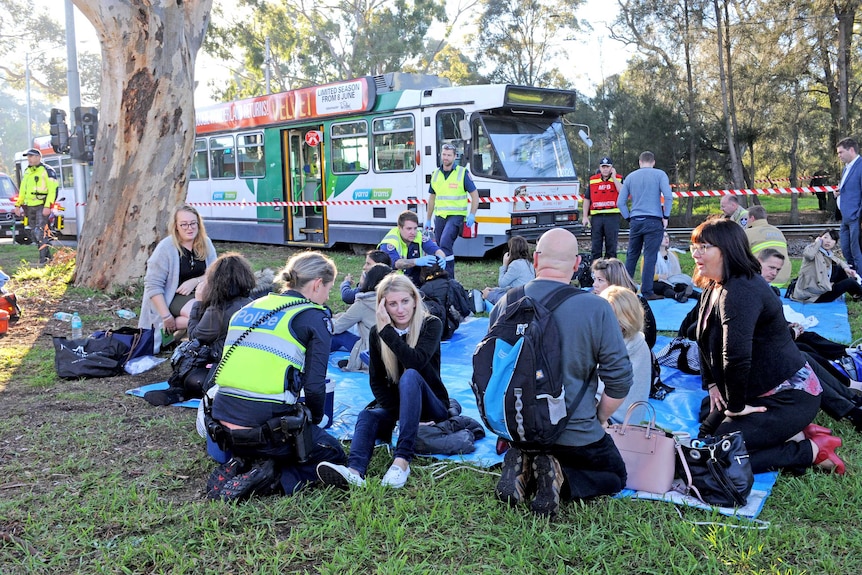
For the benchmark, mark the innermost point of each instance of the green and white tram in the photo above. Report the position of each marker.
(337, 163)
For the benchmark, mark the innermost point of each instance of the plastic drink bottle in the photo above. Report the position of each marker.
(63, 316)
(77, 327)
(126, 314)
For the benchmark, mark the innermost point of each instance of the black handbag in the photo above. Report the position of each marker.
(716, 470)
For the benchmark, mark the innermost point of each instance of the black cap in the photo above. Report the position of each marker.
(33, 152)
(606, 161)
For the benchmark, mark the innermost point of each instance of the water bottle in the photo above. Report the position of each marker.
(63, 316)
(126, 314)
(77, 327)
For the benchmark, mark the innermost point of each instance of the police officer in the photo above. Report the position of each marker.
(447, 201)
(404, 246)
(37, 193)
(276, 347)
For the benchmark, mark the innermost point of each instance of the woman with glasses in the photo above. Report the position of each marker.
(174, 271)
(612, 272)
(824, 277)
(773, 400)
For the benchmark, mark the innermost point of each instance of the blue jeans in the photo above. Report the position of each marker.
(446, 231)
(645, 235)
(850, 246)
(416, 403)
(345, 340)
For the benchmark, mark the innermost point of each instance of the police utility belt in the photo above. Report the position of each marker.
(293, 428)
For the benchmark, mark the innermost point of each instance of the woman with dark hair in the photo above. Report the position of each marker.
(361, 313)
(517, 269)
(824, 276)
(612, 272)
(223, 291)
(773, 400)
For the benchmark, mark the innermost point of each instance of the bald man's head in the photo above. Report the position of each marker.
(556, 255)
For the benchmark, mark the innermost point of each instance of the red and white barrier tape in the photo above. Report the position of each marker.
(518, 199)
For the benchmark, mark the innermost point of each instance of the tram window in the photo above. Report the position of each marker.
(485, 160)
(200, 170)
(251, 159)
(449, 132)
(394, 144)
(222, 157)
(350, 147)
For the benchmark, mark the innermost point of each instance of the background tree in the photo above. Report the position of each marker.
(146, 132)
(518, 40)
(319, 42)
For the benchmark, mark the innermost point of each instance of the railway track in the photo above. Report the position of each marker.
(799, 232)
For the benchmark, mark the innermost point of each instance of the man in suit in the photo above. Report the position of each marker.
(849, 198)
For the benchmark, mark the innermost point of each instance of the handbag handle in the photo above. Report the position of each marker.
(650, 424)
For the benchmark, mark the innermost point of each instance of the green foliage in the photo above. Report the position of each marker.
(323, 43)
(518, 40)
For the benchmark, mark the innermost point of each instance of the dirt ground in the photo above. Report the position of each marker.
(54, 406)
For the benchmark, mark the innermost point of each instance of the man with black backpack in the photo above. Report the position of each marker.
(582, 462)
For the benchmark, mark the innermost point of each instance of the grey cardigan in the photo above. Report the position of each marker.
(163, 277)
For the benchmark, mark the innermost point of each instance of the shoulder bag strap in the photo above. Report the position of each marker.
(214, 373)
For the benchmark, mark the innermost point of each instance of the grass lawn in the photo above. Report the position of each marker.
(94, 481)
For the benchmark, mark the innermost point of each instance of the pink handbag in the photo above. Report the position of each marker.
(649, 453)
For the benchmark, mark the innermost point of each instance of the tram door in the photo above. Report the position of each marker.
(305, 183)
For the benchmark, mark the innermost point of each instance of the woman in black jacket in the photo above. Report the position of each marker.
(772, 400)
(404, 374)
(224, 290)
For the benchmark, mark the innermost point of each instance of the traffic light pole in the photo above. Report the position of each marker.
(79, 174)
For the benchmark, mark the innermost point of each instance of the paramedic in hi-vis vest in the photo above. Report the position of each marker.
(447, 202)
(38, 191)
(601, 213)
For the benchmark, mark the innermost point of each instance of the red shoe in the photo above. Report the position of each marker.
(813, 429)
(826, 444)
(502, 446)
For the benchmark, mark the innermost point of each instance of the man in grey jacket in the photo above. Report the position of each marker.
(584, 462)
(647, 218)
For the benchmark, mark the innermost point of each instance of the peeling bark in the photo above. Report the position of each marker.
(146, 132)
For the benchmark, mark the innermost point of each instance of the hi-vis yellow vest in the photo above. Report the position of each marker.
(258, 369)
(451, 194)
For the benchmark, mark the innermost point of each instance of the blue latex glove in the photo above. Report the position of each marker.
(471, 219)
(441, 261)
(426, 260)
(429, 225)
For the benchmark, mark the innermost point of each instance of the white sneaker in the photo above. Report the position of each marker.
(338, 475)
(396, 477)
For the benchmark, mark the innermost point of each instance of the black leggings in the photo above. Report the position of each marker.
(841, 284)
(766, 434)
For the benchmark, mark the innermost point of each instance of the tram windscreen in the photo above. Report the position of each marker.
(529, 147)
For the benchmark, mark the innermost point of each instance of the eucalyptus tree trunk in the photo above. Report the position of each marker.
(735, 164)
(846, 14)
(146, 132)
(692, 115)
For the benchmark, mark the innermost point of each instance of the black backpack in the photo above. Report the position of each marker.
(443, 301)
(517, 371)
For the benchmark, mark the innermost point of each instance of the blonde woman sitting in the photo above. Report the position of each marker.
(630, 317)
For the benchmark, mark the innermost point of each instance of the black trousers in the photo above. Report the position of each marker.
(591, 470)
(766, 434)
